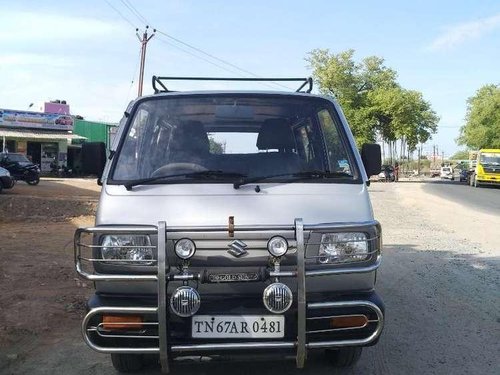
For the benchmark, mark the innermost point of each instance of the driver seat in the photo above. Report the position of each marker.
(189, 144)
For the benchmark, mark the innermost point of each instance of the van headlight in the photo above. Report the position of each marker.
(343, 247)
(132, 249)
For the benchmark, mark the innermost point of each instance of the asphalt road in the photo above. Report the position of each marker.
(438, 279)
(485, 199)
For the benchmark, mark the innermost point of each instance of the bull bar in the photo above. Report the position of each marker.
(301, 345)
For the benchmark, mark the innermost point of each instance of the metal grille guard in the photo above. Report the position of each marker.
(301, 345)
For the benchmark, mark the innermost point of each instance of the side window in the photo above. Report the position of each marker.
(337, 155)
(127, 164)
(157, 144)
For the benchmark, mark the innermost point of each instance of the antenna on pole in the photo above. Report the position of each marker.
(144, 42)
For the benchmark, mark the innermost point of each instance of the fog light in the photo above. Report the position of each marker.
(185, 248)
(185, 301)
(113, 322)
(277, 246)
(277, 298)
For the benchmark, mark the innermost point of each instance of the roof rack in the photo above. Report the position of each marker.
(160, 81)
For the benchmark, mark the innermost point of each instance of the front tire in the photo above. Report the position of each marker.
(127, 363)
(344, 357)
(34, 181)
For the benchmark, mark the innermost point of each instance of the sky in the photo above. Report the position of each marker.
(87, 52)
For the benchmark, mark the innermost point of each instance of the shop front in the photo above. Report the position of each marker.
(42, 137)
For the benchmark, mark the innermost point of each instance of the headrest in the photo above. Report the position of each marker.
(190, 136)
(275, 134)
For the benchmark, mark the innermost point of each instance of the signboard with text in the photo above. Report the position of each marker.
(35, 120)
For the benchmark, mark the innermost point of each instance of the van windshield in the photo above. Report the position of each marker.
(221, 137)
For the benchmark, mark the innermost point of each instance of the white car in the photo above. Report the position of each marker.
(446, 173)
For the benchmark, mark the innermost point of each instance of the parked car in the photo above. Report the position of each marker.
(387, 174)
(215, 208)
(446, 173)
(6, 180)
(20, 167)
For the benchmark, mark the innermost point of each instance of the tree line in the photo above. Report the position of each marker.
(377, 107)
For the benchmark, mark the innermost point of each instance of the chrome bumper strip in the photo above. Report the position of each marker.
(232, 346)
(162, 297)
(116, 310)
(301, 295)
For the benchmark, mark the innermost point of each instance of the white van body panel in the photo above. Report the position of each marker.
(275, 204)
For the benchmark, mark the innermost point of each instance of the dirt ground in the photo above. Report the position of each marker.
(439, 280)
(53, 199)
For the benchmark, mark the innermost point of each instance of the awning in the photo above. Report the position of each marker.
(38, 134)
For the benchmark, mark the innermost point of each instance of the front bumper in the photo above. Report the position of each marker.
(488, 179)
(308, 323)
(320, 309)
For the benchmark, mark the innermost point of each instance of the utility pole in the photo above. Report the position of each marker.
(144, 42)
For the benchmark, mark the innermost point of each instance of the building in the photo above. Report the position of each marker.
(43, 137)
(50, 138)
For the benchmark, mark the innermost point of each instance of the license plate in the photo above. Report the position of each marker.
(233, 277)
(238, 326)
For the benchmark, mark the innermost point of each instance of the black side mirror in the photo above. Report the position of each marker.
(93, 158)
(372, 158)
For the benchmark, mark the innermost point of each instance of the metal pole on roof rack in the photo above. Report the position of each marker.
(144, 42)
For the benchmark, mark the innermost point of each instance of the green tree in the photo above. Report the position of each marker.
(482, 126)
(216, 147)
(460, 155)
(349, 82)
(375, 105)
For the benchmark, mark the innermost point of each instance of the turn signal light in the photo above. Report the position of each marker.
(349, 321)
(113, 322)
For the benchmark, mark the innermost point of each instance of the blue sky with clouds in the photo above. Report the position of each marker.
(87, 53)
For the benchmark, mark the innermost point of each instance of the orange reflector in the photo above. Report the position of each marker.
(121, 322)
(349, 321)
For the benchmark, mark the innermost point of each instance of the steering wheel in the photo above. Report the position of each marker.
(177, 168)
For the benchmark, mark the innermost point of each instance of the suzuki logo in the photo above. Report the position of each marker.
(237, 248)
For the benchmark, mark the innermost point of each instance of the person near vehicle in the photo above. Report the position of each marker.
(387, 174)
(396, 172)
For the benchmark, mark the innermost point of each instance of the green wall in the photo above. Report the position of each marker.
(93, 131)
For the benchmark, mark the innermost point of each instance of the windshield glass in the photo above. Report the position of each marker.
(246, 135)
(490, 158)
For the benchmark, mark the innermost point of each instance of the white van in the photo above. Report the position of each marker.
(232, 222)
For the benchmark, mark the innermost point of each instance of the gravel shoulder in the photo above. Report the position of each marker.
(439, 281)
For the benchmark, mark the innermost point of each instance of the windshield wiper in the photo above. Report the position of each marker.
(294, 176)
(202, 174)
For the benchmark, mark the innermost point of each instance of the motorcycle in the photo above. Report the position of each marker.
(31, 175)
(20, 168)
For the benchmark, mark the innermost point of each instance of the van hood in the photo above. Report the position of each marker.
(212, 204)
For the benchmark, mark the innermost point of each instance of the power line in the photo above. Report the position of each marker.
(217, 58)
(143, 19)
(197, 56)
(134, 11)
(120, 14)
